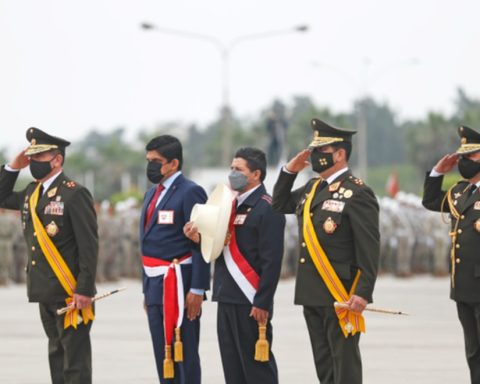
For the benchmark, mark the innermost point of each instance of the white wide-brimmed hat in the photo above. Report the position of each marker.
(211, 220)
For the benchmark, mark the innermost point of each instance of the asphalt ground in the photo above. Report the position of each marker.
(425, 347)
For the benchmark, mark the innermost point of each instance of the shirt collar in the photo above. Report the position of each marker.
(336, 174)
(168, 183)
(241, 198)
(47, 183)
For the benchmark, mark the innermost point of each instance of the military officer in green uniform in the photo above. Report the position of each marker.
(338, 218)
(60, 229)
(462, 203)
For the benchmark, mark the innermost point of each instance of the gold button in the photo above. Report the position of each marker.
(462, 217)
(34, 262)
(33, 248)
(311, 214)
(459, 231)
(34, 234)
(304, 245)
(457, 261)
(457, 246)
(302, 260)
(25, 269)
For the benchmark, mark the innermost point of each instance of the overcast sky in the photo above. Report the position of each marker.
(69, 66)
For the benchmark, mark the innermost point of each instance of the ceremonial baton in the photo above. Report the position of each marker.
(63, 310)
(372, 309)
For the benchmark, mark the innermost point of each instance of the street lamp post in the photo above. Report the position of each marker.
(225, 50)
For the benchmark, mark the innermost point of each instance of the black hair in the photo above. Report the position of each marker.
(255, 158)
(168, 147)
(58, 151)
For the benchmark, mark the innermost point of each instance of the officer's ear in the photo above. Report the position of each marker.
(340, 155)
(175, 164)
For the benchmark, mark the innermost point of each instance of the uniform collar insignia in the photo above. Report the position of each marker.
(52, 192)
(334, 187)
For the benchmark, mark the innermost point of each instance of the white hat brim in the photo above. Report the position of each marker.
(211, 220)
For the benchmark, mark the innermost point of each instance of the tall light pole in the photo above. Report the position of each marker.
(361, 88)
(225, 49)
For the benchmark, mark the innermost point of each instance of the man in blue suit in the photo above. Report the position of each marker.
(175, 276)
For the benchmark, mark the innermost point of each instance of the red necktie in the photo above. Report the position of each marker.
(153, 204)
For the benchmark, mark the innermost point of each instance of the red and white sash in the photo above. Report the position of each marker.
(241, 271)
(173, 295)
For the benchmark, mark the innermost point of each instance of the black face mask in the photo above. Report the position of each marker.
(154, 172)
(40, 169)
(321, 161)
(468, 168)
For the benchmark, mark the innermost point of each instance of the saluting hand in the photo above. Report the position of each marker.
(447, 163)
(20, 161)
(191, 232)
(299, 162)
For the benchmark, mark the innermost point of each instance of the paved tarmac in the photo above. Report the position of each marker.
(425, 347)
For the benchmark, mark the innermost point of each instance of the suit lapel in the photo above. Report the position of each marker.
(170, 192)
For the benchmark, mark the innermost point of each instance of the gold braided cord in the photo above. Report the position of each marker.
(466, 148)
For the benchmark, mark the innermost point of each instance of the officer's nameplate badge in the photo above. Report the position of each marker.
(239, 219)
(52, 229)
(165, 217)
(333, 205)
(329, 226)
(55, 208)
(476, 205)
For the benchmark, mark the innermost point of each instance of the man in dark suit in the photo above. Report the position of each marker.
(339, 253)
(60, 228)
(171, 260)
(246, 274)
(462, 202)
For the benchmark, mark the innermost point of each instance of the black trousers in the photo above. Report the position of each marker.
(337, 359)
(237, 335)
(469, 315)
(69, 350)
(188, 371)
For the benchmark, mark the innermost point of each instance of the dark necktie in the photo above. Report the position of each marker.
(322, 185)
(153, 204)
(40, 192)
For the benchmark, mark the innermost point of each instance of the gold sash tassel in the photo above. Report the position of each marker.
(350, 322)
(58, 265)
(262, 347)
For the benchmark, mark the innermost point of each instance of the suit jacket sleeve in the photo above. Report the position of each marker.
(364, 218)
(271, 238)
(433, 196)
(200, 269)
(84, 223)
(283, 199)
(8, 198)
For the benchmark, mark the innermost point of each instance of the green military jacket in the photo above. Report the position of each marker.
(348, 207)
(466, 251)
(67, 212)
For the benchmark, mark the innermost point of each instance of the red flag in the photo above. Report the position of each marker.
(392, 186)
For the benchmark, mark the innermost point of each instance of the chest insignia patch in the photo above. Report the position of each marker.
(52, 229)
(55, 208)
(329, 226)
(240, 219)
(333, 205)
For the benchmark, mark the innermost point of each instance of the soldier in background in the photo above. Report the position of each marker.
(7, 230)
(20, 254)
